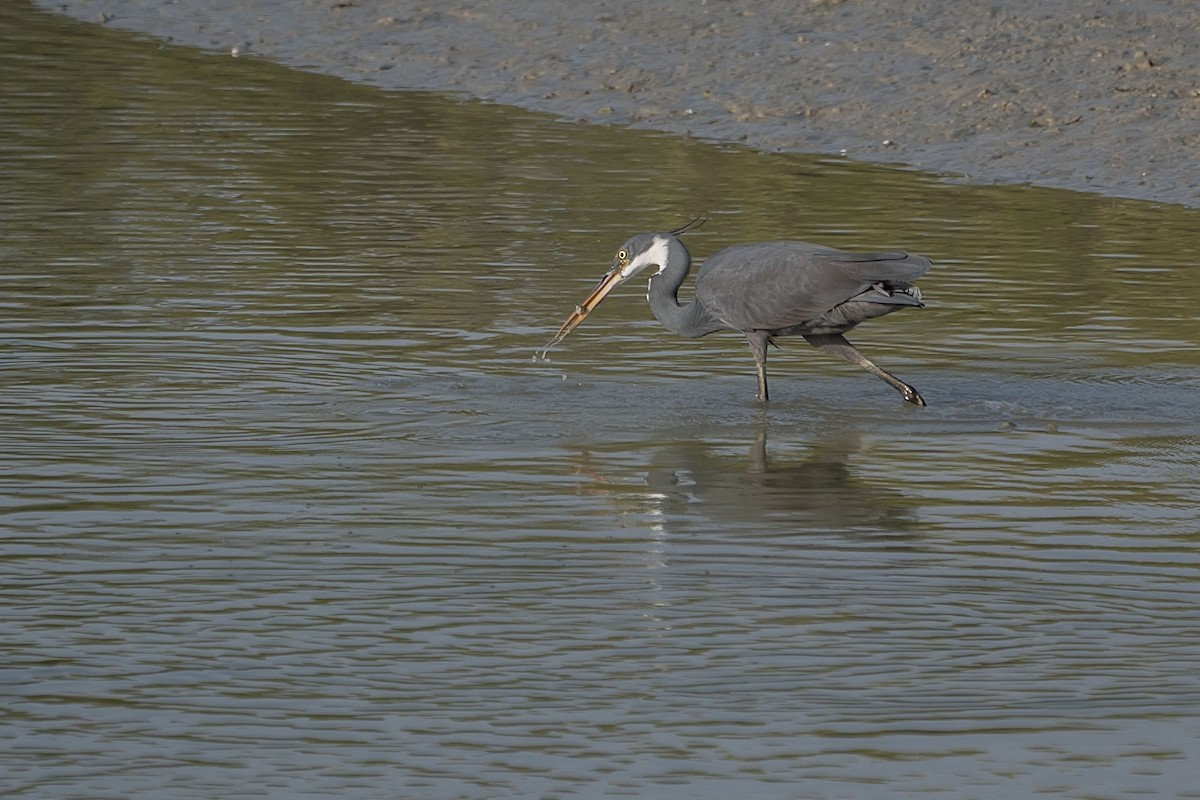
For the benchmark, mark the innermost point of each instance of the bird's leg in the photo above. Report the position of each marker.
(836, 345)
(758, 348)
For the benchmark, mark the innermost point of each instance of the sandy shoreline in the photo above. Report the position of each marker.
(1091, 95)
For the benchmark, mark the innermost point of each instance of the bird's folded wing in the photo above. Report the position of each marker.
(782, 285)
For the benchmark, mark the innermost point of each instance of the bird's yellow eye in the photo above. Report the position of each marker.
(622, 256)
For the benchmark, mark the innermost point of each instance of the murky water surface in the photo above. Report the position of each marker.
(289, 510)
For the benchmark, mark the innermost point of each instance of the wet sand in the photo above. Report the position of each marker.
(1092, 95)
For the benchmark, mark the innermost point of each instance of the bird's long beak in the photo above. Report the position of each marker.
(606, 285)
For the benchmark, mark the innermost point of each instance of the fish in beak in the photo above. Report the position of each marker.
(610, 281)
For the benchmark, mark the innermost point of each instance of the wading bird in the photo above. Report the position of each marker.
(768, 290)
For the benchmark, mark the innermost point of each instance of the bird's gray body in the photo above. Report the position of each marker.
(779, 288)
(796, 288)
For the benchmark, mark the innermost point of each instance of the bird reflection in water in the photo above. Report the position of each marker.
(691, 480)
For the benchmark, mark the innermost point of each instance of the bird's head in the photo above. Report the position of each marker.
(641, 251)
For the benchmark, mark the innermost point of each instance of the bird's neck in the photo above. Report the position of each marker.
(663, 294)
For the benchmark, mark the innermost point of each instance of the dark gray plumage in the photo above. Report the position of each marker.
(769, 290)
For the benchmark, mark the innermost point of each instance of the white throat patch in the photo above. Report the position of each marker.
(654, 254)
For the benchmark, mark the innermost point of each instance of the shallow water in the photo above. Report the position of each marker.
(290, 510)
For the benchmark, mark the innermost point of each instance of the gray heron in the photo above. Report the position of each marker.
(768, 290)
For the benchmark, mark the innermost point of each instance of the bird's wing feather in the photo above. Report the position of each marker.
(776, 285)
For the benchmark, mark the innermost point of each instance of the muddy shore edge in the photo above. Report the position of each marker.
(1090, 95)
